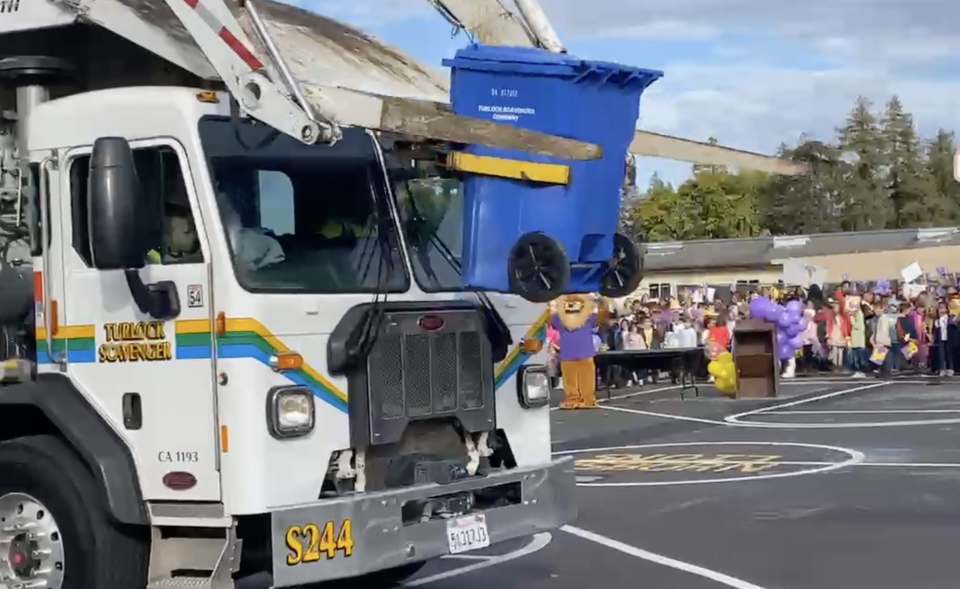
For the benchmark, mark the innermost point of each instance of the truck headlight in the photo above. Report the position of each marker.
(533, 384)
(290, 412)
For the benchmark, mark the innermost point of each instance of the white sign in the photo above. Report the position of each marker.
(956, 166)
(911, 272)
(467, 533)
(800, 273)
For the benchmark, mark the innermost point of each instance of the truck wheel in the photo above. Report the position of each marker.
(626, 268)
(53, 523)
(539, 270)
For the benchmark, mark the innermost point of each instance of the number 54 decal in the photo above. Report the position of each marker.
(310, 542)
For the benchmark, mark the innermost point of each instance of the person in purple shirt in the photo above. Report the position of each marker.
(575, 319)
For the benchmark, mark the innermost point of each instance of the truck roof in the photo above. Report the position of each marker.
(318, 50)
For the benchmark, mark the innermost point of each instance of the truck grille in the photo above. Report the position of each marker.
(416, 374)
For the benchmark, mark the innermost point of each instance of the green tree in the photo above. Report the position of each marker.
(808, 203)
(708, 205)
(939, 153)
(913, 193)
(863, 201)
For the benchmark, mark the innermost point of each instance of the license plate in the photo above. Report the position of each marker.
(467, 533)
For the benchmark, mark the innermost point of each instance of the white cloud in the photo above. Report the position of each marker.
(755, 102)
(899, 31)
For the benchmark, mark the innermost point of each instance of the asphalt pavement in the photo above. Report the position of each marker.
(838, 483)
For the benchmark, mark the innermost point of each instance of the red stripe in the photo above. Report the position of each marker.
(248, 58)
(37, 286)
(192, 3)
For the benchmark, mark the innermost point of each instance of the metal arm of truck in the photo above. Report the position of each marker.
(220, 37)
(491, 22)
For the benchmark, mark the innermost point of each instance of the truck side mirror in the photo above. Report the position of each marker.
(124, 223)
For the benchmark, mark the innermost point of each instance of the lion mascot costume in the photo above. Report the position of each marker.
(575, 319)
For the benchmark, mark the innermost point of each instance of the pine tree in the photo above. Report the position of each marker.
(913, 192)
(863, 204)
(939, 153)
(811, 202)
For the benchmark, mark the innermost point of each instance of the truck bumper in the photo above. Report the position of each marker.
(377, 538)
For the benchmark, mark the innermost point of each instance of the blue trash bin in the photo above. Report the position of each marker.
(558, 94)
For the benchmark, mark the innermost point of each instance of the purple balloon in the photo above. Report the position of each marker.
(786, 352)
(795, 307)
(758, 307)
(796, 342)
(804, 323)
(774, 313)
(793, 330)
(785, 321)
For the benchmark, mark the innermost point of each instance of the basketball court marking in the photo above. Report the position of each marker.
(853, 457)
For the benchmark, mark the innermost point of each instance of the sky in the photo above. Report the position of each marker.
(752, 73)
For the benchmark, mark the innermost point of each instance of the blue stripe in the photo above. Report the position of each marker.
(78, 356)
(234, 351)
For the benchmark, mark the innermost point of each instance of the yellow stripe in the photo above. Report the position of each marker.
(68, 332)
(506, 168)
(516, 349)
(186, 326)
(248, 324)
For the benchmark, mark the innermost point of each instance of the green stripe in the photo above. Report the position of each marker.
(194, 339)
(75, 343)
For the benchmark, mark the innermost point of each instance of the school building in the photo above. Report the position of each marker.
(864, 256)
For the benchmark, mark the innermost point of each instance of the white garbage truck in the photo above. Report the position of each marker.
(232, 332)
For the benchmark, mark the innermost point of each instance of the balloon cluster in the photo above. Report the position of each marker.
(789, 320)
(723, 372)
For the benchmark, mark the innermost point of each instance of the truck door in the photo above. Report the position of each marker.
(126, 362)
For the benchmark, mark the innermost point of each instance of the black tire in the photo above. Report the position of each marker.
(539, 269)
(626, 268)
(97, 552)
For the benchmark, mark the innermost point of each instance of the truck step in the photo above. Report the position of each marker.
(182, 583)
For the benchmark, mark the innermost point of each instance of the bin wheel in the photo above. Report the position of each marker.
(539, 268)
(626, 268)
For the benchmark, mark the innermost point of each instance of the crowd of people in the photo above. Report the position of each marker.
(856, 329)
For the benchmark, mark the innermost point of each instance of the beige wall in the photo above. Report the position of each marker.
(874, 265)
(865, 266)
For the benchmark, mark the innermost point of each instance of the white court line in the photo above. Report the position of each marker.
(539, 542)
(666, 561)
(465, 557)
(864, 412)
(639, 393)
(737, 419)
(853, 457)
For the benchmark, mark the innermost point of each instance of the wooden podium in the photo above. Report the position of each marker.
(755, 358)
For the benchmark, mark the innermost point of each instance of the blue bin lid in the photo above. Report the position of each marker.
(532, 60)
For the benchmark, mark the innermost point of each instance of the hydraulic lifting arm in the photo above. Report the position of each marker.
(219, 36)
(311, 112)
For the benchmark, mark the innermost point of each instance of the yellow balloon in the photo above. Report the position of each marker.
(714, 368)
(725, 357)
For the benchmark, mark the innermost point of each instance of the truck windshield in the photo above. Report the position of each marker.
(303, 218)
(431, 210)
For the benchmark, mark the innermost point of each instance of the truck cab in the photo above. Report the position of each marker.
(230, 351)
